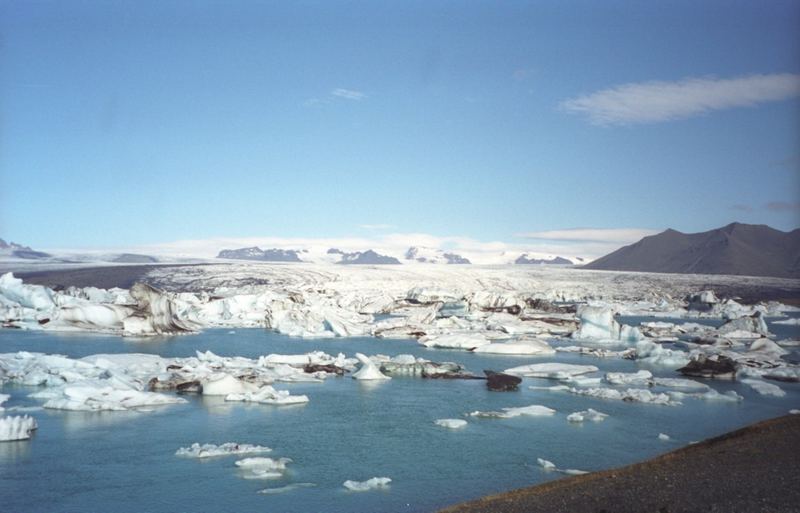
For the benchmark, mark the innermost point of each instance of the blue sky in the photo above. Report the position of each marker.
(133, 123)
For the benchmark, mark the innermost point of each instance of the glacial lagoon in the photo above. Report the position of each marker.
(349, 430)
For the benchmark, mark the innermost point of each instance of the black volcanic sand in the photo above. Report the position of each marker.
(122, 276)
(754, 469)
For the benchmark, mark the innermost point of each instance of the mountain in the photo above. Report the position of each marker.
(367, 257)
(134, 258)
(434, 256)
(19, 251)
(739, 249)
(256, 253)
(525, 260)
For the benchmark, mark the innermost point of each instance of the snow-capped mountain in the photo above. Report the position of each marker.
(433, 256)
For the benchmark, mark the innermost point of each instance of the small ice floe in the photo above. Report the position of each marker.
(374, 483)
(593, 351)
(794, 412)
(451, 423)
(590, 415)
(521, 347)
(639, 395)
(535, 410)
(549, 466)
(764, 388)
(663, 437)
(16, 428)
(268, 395)
(640, 378)
(284, 489)
(368, 370)
(105, 398)
(468, 341)
(197, 450)
(551, 370)
(793, 321)
(225, 384)
(263, 468)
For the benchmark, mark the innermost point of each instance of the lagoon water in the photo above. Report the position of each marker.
(125, 462)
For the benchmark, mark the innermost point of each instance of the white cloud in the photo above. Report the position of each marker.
(652, 102)
(602, 235)
(376, 226)
(348, 94)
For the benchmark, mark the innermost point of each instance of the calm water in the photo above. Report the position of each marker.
(124, 461)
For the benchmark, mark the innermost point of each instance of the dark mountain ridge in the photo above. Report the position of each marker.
(737, 249)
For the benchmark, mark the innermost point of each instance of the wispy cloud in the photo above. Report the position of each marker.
(656, 101)
(607, 235)
(783, 206)
(348, 94)
(742, 208)
(376, 226)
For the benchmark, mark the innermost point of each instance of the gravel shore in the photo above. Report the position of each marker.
(750, 470)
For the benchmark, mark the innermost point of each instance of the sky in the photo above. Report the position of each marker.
(551, 125)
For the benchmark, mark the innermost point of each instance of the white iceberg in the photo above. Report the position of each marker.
(764, 388)
(523, 347)
(467, 341)
(268, 395)
(663, 437)
(368, 370)
(370, 484)
(535, 410)
(590, 415)
(451, 423)
(16, 428)
(197, 450)
(551, 370)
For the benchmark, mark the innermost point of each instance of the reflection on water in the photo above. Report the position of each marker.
(12, 452)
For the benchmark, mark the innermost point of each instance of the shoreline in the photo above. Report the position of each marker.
(752, 469)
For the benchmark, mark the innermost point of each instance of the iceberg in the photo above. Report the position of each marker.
(268, 395)
(368, 370)
(522, 347)
(451, 423)
(468, 341)
(225, 384)
(16, 428)
(197, 450)
(374, 483)
(259, 467)
(550, 370)
(535, 410)
(764, 388)
(590, 415)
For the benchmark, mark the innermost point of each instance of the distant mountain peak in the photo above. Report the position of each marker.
(434, 256)
(262, 255)
(19, 251)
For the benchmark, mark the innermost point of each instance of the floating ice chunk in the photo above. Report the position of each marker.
(467, 341)
(546, 464)
(794, 412)
(597, 323)
(764, 388)
(631, 395)
(451, 423)
(526, 347)
(284, 489)
(550, 370)
(28, 296)
(370, 484)
(225, 384)
(793, 321)
(679, 383)
(549, 466)
(368, 370)
(89, 398)
(16, 428)
(656, 354)
(590, 415)
(197, 450)
(765, 345)
(593, 351)
(712, 395)
(640, 378)
(787, 374)
(263, 468)
(535, 410)
(268, 395)
(573, 472)
(663, 437)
